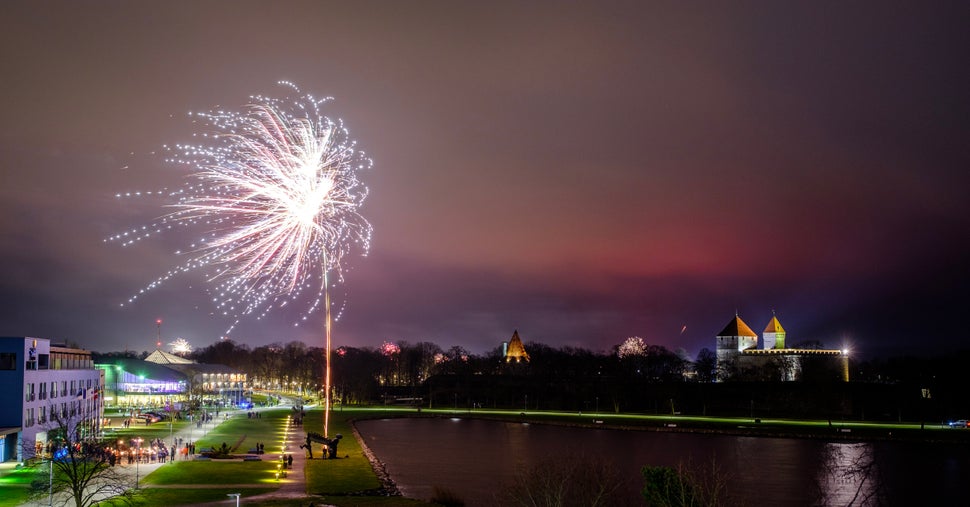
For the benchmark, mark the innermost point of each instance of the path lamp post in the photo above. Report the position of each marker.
(50, 494)
(171, 432)
(230, 495)
(137, 441)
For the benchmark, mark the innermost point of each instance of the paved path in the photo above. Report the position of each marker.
(292, 486)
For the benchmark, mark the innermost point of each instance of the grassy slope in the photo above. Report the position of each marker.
(350, 474)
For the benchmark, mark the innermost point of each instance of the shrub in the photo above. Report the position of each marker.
(685, 485)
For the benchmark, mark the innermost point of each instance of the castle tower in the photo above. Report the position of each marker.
(735, 337)
(516, 351)
(774, 335)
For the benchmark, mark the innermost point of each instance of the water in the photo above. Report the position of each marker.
(476, 459)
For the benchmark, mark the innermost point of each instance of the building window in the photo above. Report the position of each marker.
(30, 392)
(29, 421)
(43, 415)
(8, 361)
(53, 390)
(43, 391)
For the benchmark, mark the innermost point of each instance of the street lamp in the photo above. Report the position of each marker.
(230, 495)
(171, 430)
(50, 494)
(137, 441)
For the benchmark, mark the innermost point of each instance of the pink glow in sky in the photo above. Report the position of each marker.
(581, 173)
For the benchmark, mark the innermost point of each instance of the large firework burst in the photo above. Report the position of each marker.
(274, 190)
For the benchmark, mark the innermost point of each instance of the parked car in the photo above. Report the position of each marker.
(961, 423)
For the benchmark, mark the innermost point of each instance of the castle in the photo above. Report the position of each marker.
(738, 355)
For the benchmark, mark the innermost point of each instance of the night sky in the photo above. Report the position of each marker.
(580, 172)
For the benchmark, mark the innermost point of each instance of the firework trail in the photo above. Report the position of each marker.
(274, 190)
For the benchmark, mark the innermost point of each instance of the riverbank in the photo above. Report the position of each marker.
(783, 428)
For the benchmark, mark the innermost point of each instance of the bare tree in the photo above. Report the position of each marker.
(706, 365)
(850, 475)
(82, 469)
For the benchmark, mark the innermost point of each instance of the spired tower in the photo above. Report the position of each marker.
(735, 337)
(774, 335)
(516, 351)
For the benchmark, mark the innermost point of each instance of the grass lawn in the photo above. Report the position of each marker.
(351, 473)
(15, 485)
(214, 472)
(244, 433)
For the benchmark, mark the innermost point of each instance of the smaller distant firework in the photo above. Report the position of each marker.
(634, 346)
(390, 349)
(180, 347)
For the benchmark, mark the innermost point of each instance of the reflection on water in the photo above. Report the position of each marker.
(849, 475)
(478, 459)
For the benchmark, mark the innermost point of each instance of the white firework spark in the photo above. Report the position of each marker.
(633, 346)
(275, 189)
(180, 346)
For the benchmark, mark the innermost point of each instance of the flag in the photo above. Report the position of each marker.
(82, 394)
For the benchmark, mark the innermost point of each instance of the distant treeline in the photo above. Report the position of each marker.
(645, 378)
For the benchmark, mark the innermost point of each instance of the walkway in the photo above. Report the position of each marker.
(292, 486)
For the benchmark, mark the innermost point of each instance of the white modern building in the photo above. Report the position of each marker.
(42, 381)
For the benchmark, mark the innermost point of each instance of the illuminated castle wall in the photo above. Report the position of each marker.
(738, 354)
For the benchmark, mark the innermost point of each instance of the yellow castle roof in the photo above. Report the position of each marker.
(737, 327)
(774, 326)
(516, 350)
